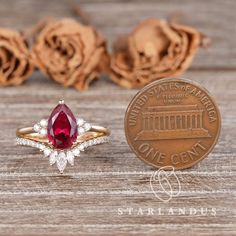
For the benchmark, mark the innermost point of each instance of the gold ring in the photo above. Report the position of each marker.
(62, 137)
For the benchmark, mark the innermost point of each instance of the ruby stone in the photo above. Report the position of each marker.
(62, 127)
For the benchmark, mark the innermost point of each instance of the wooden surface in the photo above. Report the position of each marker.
(87, 199)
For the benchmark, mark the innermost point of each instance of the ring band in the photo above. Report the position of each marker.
(62, 137)
(30, 134)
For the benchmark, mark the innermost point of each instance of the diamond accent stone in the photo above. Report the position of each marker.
(81, 147)
(87, 126)
(80, 121)
(61, 161)
(76, 151)
(43, 123)
(70, 157)
(43, 132)
(46, 152)
(81, 130)
(36, 128)
(53, 157)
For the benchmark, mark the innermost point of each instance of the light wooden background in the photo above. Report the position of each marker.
(36, 200)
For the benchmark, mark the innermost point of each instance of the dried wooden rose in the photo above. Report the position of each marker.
(155, 49)
(69, 52)
(15, 63)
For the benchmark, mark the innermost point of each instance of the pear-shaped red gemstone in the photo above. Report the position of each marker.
(62, 127)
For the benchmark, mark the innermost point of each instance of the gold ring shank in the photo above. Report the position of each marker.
(94, 132)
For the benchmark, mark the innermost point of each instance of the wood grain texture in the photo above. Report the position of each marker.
(89, 197)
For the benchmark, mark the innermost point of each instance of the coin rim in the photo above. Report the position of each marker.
(168, 80)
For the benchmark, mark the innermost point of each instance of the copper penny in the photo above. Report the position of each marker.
(172, 122)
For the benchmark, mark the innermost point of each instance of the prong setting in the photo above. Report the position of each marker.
(61, 102)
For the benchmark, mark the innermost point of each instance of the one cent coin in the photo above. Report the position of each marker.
(172, 122)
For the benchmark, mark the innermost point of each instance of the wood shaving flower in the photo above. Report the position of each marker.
(69, 52)
(155, 49)
(15, 63)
